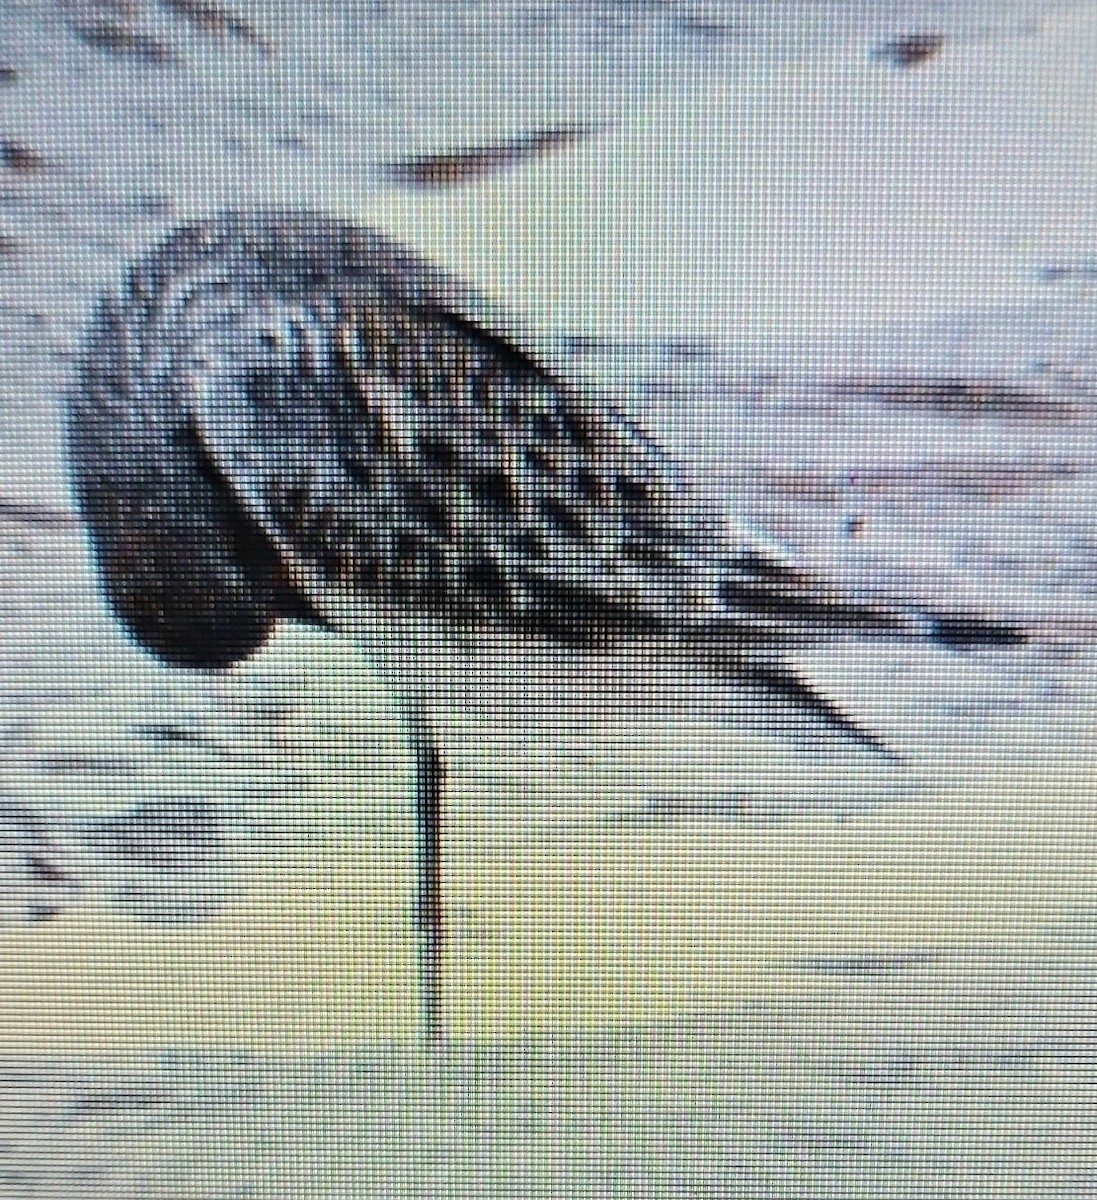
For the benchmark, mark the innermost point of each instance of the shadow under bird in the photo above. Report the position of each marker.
(280, 415)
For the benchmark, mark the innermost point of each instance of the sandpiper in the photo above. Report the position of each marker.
(280, 415)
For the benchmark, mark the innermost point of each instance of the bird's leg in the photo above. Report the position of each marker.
(429, 781)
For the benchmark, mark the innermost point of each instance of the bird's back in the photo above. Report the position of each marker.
(272, 390)
(277, 406)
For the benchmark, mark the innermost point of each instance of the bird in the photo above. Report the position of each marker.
(282, 415)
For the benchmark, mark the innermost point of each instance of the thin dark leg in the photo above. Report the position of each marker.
(429, 781)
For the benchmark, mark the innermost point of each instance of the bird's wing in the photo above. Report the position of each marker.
(391, 436)
(280, 402)
(384, 437)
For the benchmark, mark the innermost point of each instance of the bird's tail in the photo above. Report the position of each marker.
(768, 599)
(769, 606)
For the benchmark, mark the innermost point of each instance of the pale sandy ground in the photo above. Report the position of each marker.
(807, 972)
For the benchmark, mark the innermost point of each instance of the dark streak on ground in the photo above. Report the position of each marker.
(1084, 272)
(213, 18)
(116, 37)
(676, 349)
(80, 764)
(931, 477)
(22, 159)
(113, 1099)
(168, 735)
(914, 50)
(166, 835)
(959, 396)
(711, 31)
(475, 162)
(914, 1070)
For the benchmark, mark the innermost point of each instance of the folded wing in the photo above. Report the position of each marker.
(281, 404)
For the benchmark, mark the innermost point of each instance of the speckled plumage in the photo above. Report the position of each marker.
(278, 409)
(282, 387)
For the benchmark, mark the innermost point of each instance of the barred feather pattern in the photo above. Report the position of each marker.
(280, 391)
(282, 415)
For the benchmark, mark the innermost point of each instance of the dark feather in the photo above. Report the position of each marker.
(280, 402)
(781, 680)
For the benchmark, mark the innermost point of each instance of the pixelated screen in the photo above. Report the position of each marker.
(548, 577)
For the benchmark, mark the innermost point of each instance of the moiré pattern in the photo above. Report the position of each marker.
(280, 396)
